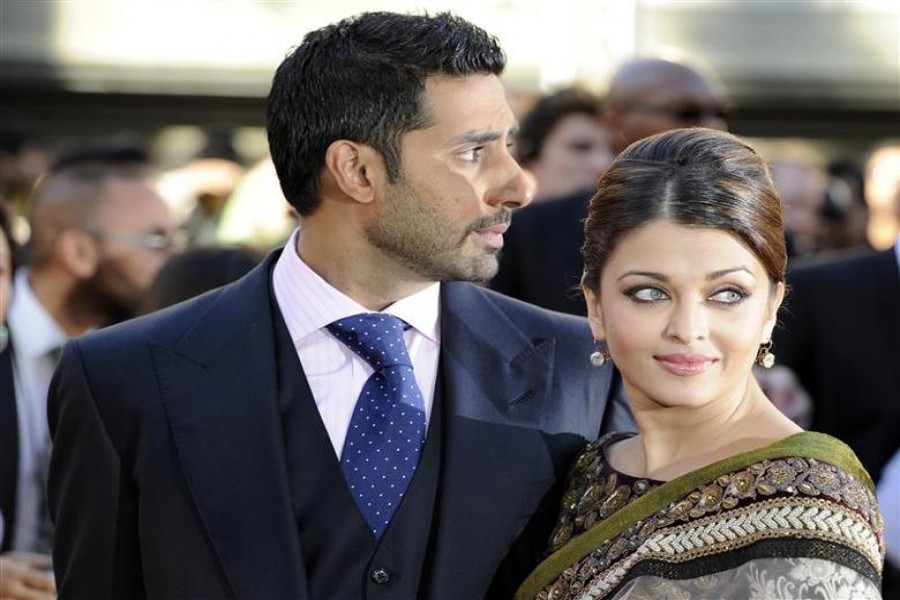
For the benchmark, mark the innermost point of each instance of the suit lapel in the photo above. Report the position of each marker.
(496, 466)
(218, 385)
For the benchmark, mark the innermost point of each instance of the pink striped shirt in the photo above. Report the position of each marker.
(336, 375)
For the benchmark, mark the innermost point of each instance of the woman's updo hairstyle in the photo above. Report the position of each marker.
(694, 177)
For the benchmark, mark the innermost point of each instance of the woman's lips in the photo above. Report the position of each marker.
(685, 365)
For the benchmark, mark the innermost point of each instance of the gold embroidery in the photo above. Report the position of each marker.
(844, 511)
(795, 517)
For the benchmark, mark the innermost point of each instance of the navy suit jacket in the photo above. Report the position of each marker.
(169, 479)
(841, 335)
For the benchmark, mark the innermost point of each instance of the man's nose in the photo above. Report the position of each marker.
(515, 188)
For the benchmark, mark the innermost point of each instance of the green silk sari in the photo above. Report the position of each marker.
(796, 518)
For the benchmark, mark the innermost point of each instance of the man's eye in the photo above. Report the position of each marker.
(472, 154)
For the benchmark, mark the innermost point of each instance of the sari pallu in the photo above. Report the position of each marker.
(795, 519)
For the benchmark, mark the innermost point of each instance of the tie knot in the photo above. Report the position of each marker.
(377, 338)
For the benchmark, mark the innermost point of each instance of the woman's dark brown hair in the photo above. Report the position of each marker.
(694, 177)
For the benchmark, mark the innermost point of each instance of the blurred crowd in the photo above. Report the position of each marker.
(93, 234)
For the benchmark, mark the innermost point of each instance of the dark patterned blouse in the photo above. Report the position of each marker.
(595, 490)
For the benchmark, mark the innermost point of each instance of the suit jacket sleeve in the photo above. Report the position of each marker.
(91, 501)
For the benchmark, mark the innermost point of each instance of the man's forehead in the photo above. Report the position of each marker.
(465, 106)
(683, 86)
(132, 200)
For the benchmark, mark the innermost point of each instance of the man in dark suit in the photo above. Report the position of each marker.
(541, 260)
(215, 449)
(841, 336)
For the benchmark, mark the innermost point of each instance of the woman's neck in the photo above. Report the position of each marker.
(677, 440)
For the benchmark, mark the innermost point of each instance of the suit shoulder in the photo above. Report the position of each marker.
(530, 316)
(225, 308)
(164, 326)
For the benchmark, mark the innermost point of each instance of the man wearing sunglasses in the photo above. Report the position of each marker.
(650, 96)
(541, 259)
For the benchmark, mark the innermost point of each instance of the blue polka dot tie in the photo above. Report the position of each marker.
(387, 428)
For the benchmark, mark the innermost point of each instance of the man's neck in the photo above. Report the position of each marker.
(362, 273)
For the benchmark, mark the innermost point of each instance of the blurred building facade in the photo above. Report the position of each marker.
(821, 70)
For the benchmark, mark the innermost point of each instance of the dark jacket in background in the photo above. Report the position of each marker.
(541, 258)
(841, 335)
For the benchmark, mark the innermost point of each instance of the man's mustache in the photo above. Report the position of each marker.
(501, 218)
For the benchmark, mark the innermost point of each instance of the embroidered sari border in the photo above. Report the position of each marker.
(805, 444)
(717, 537)
(762, 549)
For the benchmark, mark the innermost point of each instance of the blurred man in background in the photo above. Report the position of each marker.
(650, 96)
(841, 336)
(99, 234)
(541, 260)
(801, 183)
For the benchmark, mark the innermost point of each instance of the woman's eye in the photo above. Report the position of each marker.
(647, 294)
(729, 296)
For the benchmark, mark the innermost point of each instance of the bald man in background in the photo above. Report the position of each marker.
(541, 260)
(99, 234)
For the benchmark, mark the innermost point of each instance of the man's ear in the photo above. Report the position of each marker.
(775, 301)
(77, 252)
(595, 314)
(357, 170)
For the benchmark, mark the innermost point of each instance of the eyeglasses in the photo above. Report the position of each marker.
(685, 114)
(154, 240)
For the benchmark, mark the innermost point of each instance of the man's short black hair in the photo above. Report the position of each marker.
(363, 79)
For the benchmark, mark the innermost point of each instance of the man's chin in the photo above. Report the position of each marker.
(482, 269)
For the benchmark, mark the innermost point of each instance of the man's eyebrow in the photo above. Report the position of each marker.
(481, 137)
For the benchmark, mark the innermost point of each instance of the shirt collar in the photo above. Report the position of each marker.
(34, 330)
(309, 303)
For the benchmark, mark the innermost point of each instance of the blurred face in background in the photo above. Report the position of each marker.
(677, 100)
(577, 151)
(135, 236)
(883, 196)
(801, 187)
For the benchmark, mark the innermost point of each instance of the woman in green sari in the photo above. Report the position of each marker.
(718, 495)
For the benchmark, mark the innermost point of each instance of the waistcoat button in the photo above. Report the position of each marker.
(380, 576)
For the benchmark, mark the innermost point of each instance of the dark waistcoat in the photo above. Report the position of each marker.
(341, 557)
